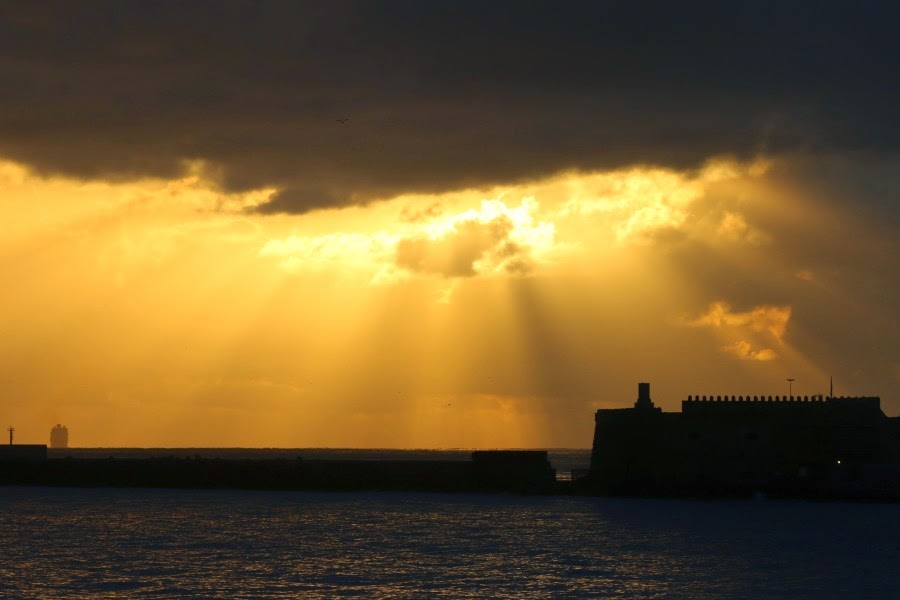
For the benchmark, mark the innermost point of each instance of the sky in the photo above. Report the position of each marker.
(439, 224)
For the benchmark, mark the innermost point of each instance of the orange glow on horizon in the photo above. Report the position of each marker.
(168, 313)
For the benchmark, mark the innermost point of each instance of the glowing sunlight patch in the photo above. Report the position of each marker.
(521, 227)
(330, 250)
(493, 239)
(742, 349)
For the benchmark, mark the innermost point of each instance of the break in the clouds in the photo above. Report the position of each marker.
(493, 239)
(496, 239)
(340, 102)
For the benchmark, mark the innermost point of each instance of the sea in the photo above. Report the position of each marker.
(58, 542)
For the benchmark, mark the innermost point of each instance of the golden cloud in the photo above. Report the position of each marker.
(769, 319)
(493, 239)
(734, 228)
(744, 350)
(805, 275)
(642, 202)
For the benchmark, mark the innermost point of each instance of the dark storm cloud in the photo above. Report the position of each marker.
(287, 200)
(438, 94)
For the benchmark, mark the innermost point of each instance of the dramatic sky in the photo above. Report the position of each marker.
(439, 224)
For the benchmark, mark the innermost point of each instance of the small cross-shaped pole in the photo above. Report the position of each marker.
(10, 430)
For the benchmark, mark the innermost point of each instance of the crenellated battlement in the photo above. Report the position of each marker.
(701, 403)
(710, 398)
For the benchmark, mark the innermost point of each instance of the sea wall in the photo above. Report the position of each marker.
(497, 471)
(23, 452)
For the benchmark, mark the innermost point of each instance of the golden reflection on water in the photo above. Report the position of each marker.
(75, 543)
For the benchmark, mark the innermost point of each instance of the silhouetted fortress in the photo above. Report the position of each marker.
(739, 445)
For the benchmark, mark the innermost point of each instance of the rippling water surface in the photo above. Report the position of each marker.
(68, 542)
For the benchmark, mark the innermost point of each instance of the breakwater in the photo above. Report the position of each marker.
(523, 471)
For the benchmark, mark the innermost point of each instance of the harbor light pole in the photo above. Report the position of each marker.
(791, 381)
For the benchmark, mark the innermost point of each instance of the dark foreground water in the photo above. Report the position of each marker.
(68, 542)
